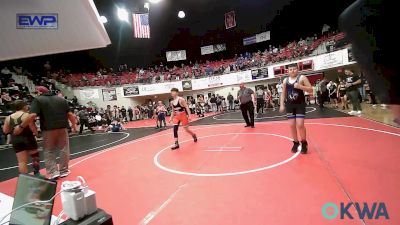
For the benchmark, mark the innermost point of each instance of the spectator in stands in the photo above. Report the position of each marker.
(137, 113)
(370, 94)
(352, 83)
(47, 67)
(115, 112)
(323, 93)
(219, 103)
(54, 114)
(5, 97)
(75, 101)
(130, 113)
(332, 89)
(279, 87)
(361, 88)
(5, 71)
(230, 102)
(342, 94)
(83, 117)
(213, 103)
(123, 114)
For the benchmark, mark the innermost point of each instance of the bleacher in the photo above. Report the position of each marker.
(292, 51)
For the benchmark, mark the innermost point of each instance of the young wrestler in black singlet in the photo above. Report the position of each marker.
(293, 100)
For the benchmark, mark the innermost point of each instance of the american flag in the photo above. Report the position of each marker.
(141, 26)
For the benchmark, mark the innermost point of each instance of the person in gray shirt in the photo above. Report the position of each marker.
(246, 99)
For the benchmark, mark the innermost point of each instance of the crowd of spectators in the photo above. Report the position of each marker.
(11, 90)
(198, 69)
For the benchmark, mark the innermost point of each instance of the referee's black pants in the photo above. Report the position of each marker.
(83, 122)
(248, 112)
(260, 105)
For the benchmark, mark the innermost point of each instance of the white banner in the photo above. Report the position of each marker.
(209, 49)
(176, 55)
(329, 60)
(89, 94)
(264, 36)
(159, 88)
(222, 80)
(219, 47)
(243, 76)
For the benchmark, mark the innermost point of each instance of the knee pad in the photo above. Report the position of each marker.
(176, 131)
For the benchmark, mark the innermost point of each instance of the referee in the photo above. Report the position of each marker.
(246, 99)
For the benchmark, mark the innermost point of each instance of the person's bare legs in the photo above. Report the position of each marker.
(346, 105)
(303, 134)
(188, 130)
(22, 158)
(301, 128)
(293, 130)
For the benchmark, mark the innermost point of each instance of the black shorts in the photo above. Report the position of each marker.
(342, 93)
(333, 96)
(161, 116)
(24, 143)
(295, 111)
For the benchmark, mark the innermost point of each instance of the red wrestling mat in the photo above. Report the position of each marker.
(237, 175)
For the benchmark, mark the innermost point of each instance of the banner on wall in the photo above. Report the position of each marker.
(89, 94)
(205, 50)
(159, 88)
(260, 73)
(187, 85)
(109, 94)
(222, 80)
(131, 91)
(329, 60)
(176, 55)
(264, 36)
(209, 49)
(230, 20)
(249, 40)
(219, 47)
(243, 77)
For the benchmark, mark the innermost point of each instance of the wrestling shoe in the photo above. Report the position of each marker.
(194, 138)
(176, 146)
(304, 147)
(295, 147)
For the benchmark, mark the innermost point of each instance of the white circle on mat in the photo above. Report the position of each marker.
(157, 163)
